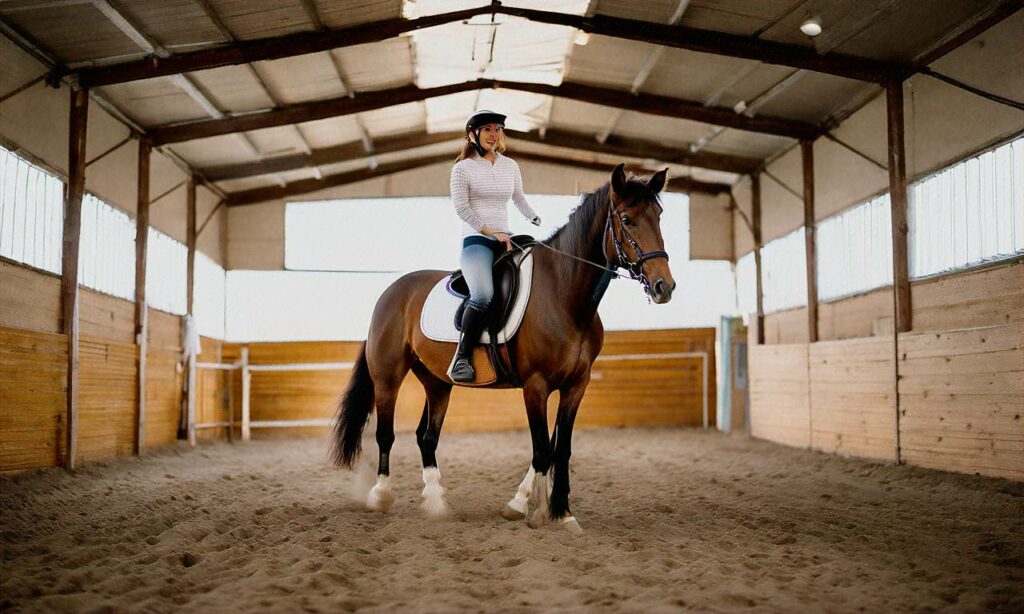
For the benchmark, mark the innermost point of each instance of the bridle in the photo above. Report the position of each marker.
(634, 267)
(621, 261)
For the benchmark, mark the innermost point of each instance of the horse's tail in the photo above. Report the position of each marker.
(354, 411)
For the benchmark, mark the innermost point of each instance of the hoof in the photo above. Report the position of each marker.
(569, 524)
(540, 518)
(380, 500)
(514, 510)
(434, 505)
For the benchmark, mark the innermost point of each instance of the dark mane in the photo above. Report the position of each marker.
(576, 237)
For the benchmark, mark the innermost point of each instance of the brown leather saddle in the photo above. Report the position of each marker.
(506, 286)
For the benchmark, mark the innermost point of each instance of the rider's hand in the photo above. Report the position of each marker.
(504, 238)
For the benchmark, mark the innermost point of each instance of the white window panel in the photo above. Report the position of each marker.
(166, 266)
(210, 293)
(746, 285)
(784, 276)
(106, 257)
(358, 248)
(854, 250)
(31, 213)
(968, 213)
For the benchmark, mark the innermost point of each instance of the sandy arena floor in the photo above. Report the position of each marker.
(673, 521)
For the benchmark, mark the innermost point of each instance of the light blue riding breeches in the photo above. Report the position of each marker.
(476, 262)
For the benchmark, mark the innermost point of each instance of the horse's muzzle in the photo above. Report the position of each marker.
(662, 292)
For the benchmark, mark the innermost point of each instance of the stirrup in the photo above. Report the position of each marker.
(462, 371)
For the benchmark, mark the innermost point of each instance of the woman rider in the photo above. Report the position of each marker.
(483, 181)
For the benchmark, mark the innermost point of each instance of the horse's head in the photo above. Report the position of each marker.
(635, 231)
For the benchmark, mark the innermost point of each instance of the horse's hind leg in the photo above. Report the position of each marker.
(427, 435)
(381, 496)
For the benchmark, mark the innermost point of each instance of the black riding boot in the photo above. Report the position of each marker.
(473, 323)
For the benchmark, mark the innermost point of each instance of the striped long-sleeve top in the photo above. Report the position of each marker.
(481, 191)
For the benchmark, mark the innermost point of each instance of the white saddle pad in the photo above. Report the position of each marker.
(437, 321)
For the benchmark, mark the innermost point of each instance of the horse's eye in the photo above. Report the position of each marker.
(626, 220)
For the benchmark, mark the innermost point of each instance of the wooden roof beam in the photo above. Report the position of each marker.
(303, 112)
(346, 152)
(616, 146)
(308, 186)
(246, 52)
(678, 184)
(637, 148)
(719, 43)
(368, 101)
(682, 37)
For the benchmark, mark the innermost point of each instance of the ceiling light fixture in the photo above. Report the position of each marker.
(811, 26)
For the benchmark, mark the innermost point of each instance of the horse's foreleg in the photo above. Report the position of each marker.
(568, 403)
(427, 436)
(519, 505)
(536, 393)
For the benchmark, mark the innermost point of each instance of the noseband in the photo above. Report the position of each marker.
(635, 267)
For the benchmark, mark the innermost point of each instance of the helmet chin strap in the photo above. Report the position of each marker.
(475, 142)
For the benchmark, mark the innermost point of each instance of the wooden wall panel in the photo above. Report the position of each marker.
(106, 317)
(107, 398)
(623, 392)
(33, 397)
(779, 394)
(864, 315)
(962, 400)
(789, 326)
(966, 299)
(211, 391)
(163, 397)
(164, 379)
(164, 330)
(36, 303)
(969, 299)
(853, 397)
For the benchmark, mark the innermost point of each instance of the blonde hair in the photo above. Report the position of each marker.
(468, 151)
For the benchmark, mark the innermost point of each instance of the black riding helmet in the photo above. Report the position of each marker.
(479, 120)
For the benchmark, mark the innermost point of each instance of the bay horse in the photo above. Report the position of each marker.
(560, 337)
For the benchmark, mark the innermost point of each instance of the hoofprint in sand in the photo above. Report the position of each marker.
(674, 520)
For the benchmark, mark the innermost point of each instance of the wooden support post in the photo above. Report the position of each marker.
(246, 385)
(73, 193)
(807, 155)
(190, 238)
(755, 222)
(192, 379)
(141, 311)
(898, 205)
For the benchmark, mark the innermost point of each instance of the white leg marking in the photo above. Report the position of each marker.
(381, 497)
(433, 493)
(542, 515)
(517, 508)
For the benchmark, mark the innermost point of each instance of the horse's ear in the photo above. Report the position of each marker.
(657, 182)
(619, 179)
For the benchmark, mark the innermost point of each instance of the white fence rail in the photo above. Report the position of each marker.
(247, 423)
